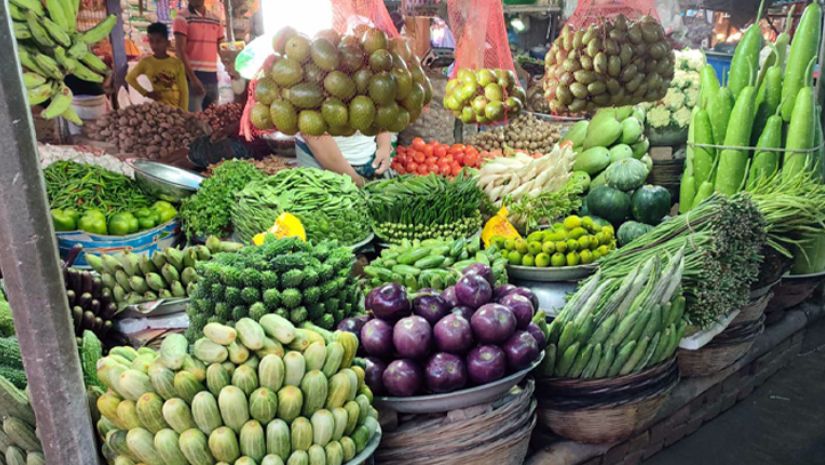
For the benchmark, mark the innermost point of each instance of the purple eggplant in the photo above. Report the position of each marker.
(445, 373)
(493, 324)
(431, 307)
(482, 270)
(466, 312)
(502, 290)
(448, 295)
(521, 350)
(521, 307)
(538, 334)
(453, 334)
(388, 302)
(374, 374)
(526, 293)
(403, 378)
(412, 337)
(486, 363)
(473, 290)
(353, 324)
(376, 338)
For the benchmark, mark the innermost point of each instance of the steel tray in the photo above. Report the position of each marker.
(368, 451)
(464, 398)
(562, 273)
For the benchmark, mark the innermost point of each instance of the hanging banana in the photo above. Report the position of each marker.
(41, 93)
(72, 116)
(16, 13)
(57, 32)
(30, 5)
(61, 101)
(21, 31)
(100, 31)
(32, 80)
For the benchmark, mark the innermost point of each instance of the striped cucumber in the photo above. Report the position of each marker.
(593, 364)
(223, 444)
(621, 357)
(609, 353)
(566, 361)
(634, 359)
(582, 359)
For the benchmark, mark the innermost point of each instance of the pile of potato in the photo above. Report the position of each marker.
(150, 130)
(611, 63)
(524, 132)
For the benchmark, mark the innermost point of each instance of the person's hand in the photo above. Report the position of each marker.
(382, 159)
(359, 180)
(154, 95)
(197, 86)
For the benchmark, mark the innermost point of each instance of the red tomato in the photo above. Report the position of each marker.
(419, 157)
(471, 149)
(400, 169)
(439, 151)
(471, 159)
(428, 150)
(418, 143)
(422, 170)
(455, 169)
(459, 157)
(449, 158)
(412, 166)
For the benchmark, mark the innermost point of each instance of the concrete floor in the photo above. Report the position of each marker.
(781, 423)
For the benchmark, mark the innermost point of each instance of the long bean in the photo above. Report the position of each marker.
(75, 185)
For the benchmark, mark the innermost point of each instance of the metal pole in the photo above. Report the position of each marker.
(34, 281)
(118, 40)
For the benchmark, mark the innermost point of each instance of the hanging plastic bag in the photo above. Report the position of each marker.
(594, 11)
(481, 36)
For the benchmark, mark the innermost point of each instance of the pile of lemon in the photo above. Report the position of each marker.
(574, 241)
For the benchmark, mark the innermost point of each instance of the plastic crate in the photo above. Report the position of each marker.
(721, 64)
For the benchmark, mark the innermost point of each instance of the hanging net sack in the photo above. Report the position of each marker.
(609, 53)
(481, 37)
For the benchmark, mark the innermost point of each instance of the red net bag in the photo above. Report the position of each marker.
(481, 37)
(593, 11)
(347, 15)
(609, 54)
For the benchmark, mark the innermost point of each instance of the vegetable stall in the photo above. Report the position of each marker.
(531, 279)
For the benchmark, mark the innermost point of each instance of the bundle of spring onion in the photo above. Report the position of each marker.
(721, 239)
(617, 326)
(794, 210)
(425, 207)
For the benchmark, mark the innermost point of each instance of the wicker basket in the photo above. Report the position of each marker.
(667, 173)
(495, 434)
(606, 410)
(793, 290)
(720, 353)
(753, 310)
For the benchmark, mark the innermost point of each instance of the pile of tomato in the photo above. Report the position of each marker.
(433, 157)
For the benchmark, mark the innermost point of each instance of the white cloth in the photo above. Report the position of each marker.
(357, 149)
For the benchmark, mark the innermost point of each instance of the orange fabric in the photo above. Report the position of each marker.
(202, 35)
(481, 36)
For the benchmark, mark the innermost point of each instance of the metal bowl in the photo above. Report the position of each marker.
(464, 398)
(365, 454)
(561, 273)
(165, 181)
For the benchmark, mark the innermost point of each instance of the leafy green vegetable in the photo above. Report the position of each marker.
(329, 205)
(529, 212)
(207, 212)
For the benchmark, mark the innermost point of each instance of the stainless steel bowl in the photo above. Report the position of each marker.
(165, 181)
(435, 403)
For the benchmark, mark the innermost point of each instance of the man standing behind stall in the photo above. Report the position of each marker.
(198, 35)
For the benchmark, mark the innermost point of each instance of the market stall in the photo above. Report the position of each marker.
(559, 276)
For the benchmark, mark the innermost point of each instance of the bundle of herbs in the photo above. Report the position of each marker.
(721, 238)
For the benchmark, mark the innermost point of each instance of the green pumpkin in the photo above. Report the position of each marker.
(650, 204)
(630, 230)
(609, 203)
(626, 174)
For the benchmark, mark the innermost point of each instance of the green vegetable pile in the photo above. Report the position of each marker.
(425, 207)
(722, 239)
(618, 326)
(288, 277)
(432, 263)
(11, 363)
(329, 205)
(131, 278)
(95, 200)
(208, 211)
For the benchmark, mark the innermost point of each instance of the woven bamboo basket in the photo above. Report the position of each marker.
(495, 434)
(792, 291)
(753, 310)
(606, 410)
(720, 353)
(668, 173)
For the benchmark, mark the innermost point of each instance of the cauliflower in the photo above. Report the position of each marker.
(659, 117)
(682, 117)
(690, 59)
(674, 99)
(691, 97)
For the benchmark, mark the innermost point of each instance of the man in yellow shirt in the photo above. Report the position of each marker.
(165, 72)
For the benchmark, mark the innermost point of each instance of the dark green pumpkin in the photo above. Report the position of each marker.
(609, 203)
(650, 204)
(630, 230)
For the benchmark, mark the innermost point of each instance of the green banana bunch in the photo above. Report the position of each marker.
(50, 47)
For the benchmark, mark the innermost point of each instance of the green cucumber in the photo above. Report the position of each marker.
(432, 261)
(566, 361)
(634, 359)
(582, 359)
(624, 353)
(608, 354)
(411, 256)
(406, 270)
(593, 364)
(648, 356)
